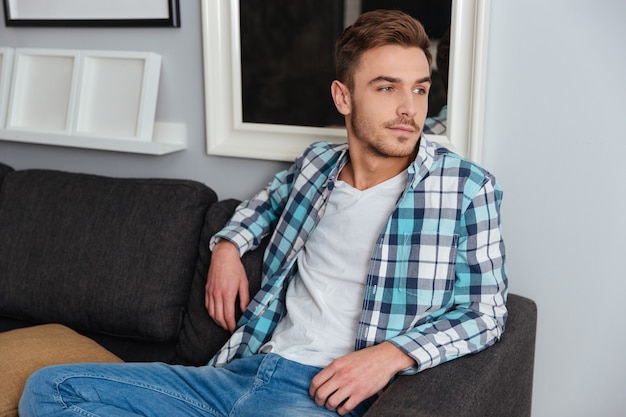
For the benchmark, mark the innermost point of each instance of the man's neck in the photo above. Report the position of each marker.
(363, 171)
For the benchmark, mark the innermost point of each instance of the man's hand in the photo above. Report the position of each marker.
(353, 378)
(226, 279)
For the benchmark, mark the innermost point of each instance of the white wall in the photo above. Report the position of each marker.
(555, 99)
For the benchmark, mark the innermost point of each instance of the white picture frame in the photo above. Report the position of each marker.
(117, 97)
(104, 94)
(103, 100)
(228, 135)
(6, 73)
(91, 13)
(43, 90)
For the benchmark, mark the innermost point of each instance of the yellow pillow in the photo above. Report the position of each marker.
(23, 351)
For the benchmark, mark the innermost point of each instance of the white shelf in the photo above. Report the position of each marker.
(86, 99)
(168, 138)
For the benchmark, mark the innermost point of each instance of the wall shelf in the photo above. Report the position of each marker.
(102, 100)
(167, 138)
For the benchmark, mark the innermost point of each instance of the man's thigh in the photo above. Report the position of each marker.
(259, 385)
(130, 390)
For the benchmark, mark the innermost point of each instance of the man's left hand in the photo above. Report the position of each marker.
(353, 378)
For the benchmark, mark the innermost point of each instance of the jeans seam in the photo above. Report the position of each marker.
(81, 411)
(258, 381)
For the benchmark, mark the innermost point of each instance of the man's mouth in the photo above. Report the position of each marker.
(404, 126)
(403, 129)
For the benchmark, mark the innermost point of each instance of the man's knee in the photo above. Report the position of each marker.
(40, 380)
(39, 389)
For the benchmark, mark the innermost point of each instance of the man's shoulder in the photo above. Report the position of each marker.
(325, 147)
(322, 152)
(452, 163)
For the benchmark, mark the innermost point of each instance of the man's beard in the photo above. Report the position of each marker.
(379, 145)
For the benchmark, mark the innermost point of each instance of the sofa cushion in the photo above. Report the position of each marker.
(4, 169)
(99, 254)
(24, 351)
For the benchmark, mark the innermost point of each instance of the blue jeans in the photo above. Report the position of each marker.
(260, 385)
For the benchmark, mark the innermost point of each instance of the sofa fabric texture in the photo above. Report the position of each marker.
(200, 337)
(101, 254)
(4, 169)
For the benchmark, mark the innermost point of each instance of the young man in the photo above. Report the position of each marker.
(385, 257)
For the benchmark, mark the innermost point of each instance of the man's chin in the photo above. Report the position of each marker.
(401, 151)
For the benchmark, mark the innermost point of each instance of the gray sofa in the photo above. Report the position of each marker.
(124, 262)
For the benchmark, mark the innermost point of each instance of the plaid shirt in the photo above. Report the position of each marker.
(436, 286)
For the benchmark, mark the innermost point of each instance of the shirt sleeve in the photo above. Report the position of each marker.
(478, 315)
(255, 218)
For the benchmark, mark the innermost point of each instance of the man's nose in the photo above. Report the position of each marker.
(407, 106)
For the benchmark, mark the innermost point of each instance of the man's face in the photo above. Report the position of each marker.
(389, 101)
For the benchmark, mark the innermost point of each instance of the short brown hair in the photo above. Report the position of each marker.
(374, 29)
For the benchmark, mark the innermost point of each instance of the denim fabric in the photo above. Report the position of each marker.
(260, 385)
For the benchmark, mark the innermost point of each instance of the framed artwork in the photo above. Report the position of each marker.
(89, 13)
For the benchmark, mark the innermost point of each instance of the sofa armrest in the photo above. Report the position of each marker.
(495, 382)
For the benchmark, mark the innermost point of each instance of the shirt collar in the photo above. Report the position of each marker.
(417, 170)
(420, 167)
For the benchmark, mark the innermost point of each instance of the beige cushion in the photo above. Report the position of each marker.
(23, 351)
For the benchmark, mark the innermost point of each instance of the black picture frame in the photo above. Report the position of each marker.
(171, 20)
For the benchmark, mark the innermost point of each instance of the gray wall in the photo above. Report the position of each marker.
(555, 90)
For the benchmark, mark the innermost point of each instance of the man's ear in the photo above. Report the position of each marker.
(341, 97)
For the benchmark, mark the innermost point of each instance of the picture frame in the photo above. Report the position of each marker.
(228, 135)
(91, 94)
(6, 71)
(82, 98)
(42, 90)
(93, 13)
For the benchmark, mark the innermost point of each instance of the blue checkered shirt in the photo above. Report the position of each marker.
(436, 286)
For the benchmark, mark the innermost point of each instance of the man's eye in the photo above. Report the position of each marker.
(419, 90)
(385, 89)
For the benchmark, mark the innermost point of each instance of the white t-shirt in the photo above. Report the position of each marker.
(324, 299)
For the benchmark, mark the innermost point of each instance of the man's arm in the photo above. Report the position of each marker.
(478, 315)
(252, 220)
(225, 281)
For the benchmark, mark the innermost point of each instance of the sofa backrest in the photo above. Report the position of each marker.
(200, 337)
(4, 169)
(98, 254)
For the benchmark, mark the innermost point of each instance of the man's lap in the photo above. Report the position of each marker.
(261, 383)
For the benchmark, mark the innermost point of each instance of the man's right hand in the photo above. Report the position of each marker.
(226, 279)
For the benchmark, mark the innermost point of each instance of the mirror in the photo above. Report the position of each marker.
(288, 63)
(229, 134)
